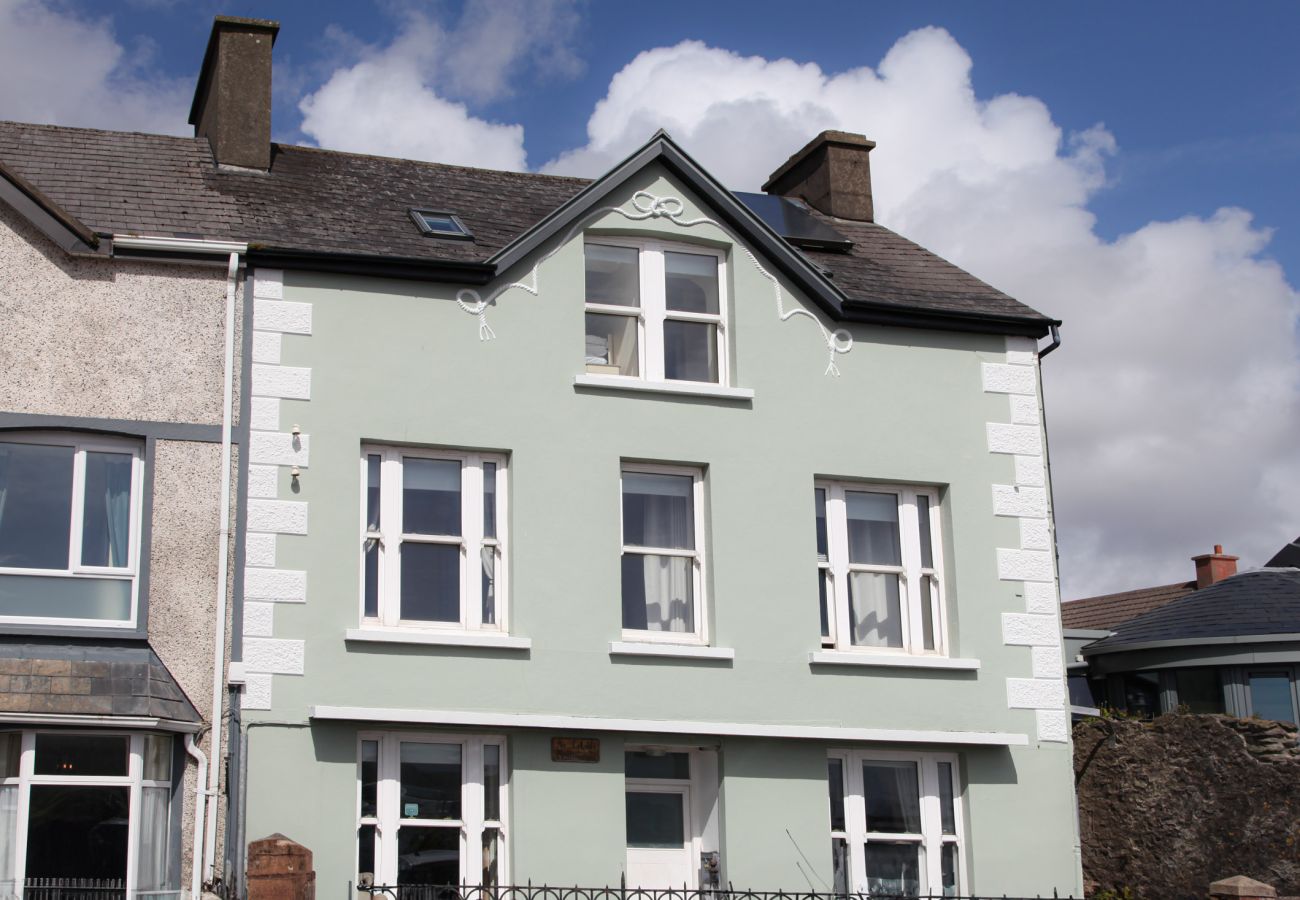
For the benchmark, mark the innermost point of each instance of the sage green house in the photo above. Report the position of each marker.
(639, 531)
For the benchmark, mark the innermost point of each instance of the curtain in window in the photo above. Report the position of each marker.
(668, 593)
(876, 611)
(151, 868)
(8, 831)
(658, 511)
(4, 478)
(117, 506)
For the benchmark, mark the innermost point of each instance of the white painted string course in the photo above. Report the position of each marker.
(649, 206)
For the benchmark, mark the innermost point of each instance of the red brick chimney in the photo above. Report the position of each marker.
(831, 173)
(1214, 567)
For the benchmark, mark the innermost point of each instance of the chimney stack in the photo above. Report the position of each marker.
(832, 173)
(232, 103)
(1212, 568)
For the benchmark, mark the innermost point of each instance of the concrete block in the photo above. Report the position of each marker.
(1030, 472)
(279, 448)
(259, 619)
(290, 382)
(1013, 500)
(1035, 693)
(1022, 351)
(1031, 630)
(264, 414)
(268, 283)
(1053, 725)
(1024, 410)
(1041, 597)
(259, 550)
(1035, 534)
(1000, 378)
(273, 656)
(1025, 565)
(1025, 440)
(279, 585)
(277, 516)
(266, 347)
(263, 481)
(1048, 662)
(257, 692)
(282, 315)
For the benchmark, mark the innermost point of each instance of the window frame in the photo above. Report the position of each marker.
(82, 444)
(418, 215)
(391, 537)
(472, 822)
(837, 568)
(930, 839)
(652, 311)
(700, 607)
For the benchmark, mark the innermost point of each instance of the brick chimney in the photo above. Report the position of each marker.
(232, 103)
(1214, 567)
(831, 173)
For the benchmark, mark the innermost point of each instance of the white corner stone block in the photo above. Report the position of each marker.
(282, 315)
(268, 283)
(1022, 351)
(1030, 630)
(1028, 693)
(257, 692)
(1025, 565)
(1048, 662)
(1053, 725)
(1040, 597)
(1035, 535)
(1000, 378)
(277, 516)
(1013, 500)
(259, 550)
(263, 481)
(1024, 410)
(290, 382)
(259, 619)
(279, 656)
(279, 448)
(278, 585)
(1029, 471)
(266, 347)
(1022, 439)
(264, 414)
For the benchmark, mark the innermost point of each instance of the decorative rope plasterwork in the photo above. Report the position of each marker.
(649, 206)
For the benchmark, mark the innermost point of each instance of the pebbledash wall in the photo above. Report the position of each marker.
(349, 360)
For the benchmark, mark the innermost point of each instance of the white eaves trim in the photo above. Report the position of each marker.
(889, 660)
(147, 723)
(477, 719)
(436, 638)
(180, 245)
(684, 651)
(688, 388)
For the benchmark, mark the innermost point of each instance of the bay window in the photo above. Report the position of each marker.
(663, 557)
(431, 809)
(879, 568)
(433, 541)
(69, 529)
(655, 311)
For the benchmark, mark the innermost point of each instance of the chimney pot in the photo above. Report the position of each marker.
(1212, 568)
(832, 173)
(232, 101)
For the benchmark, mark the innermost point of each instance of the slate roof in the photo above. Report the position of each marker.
(1287, 556)
(75, 679)
(1108, 610)
(323, 201)
(1257, 602)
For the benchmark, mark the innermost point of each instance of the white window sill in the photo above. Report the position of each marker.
(890, 660)
(687, 388)
(683, 651)
(488, 639)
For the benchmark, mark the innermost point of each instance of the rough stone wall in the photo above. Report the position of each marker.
(1170, 805)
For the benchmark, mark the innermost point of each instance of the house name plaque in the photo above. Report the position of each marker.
(583, 750)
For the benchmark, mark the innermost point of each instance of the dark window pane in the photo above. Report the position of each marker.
(371, 563)
(491, 851)
(835, 784)
(81, 754)
(431, 781)
(947, 809)
(658, 510)
(11, 750)
(613, 275)
(873, 528)
(927, 611)
(923, 524)
(658, 593)
(36, 483)
(430, 582)
(488, 584)
(366, 849)
(840, 866)
(691, 282)
(655, 820)
(373, 462)
(892, 797)
(106, 519)
(1080, 691)
(819, 502)
(1142, 694)
(491, 781)
(1270, 696)
(428, 856)
(824, 602)
(369, 778)
(430, 496)
(489, 499)
(690, 351)
(893, 869)
(948, 867)
(1199, 690)
(643, 764)
(76, 831)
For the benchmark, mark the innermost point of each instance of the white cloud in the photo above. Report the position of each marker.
(1174, 401)
(58, 68)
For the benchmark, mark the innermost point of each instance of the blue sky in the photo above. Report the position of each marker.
(1128, 167)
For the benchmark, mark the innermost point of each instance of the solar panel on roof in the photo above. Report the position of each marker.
(791, 219)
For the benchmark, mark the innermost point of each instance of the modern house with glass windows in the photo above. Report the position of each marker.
(627, 531)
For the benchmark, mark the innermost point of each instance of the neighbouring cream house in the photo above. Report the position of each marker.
(617, 531)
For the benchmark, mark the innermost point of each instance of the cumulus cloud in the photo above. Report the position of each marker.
(59, 68)
(410, 98)
(1174, 402)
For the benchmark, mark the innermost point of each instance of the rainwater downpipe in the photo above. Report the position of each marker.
(200, 802)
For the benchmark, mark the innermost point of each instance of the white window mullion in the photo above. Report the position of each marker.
(855, 822)
(471, 810)
(135, 770)
(390, 799)
(77, 523)
(652, 306)
(837, 545)
(931, 825)
(698, 566)
(390, 519)
(910, 589)
(471, 527)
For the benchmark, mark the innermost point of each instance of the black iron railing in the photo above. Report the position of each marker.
(552, 892)
(74, 889)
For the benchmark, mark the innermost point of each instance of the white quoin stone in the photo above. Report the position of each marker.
(257, 692)
(279, 448)
(282, 315)
(1041, 597)
(999, 378)
(280, 585)
(290, 382)
(274, 656)
(1021, 439)
(1035, 693)
(263, 481)
(1053, 725)
(1024, 410)
(1029, 471)
(1022, 351)
(266, 347)
(259, 549)
(1013, 500)
(277, 516)
(259, 619)
(1048, 662)
(1030, 630)
(1025, 565)
(264, 414)
(1035, 535)
(268, 283)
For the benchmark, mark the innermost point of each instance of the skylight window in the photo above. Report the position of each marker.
(441, 224)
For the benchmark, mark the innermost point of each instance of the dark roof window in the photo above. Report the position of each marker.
(441, 224)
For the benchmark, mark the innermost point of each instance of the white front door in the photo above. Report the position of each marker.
(659, 841)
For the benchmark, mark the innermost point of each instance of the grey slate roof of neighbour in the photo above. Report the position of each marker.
(1249, 604)
(321, 201)
(1287, 556)
(50, 677)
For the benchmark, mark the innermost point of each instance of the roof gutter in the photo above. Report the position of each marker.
(405, 268)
